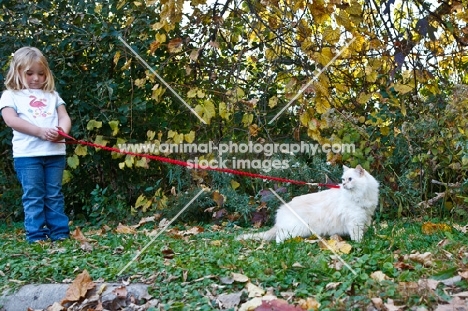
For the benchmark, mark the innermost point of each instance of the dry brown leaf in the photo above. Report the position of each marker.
(87, 247)
(455, 304)
(462, 229)
(297, 265)
(254, 290)
(378, 303)
(78, 235)
(237, 277)
(390, 306)
(409, 288)
(164, 223)
(332, 285)
(193, 231)
(428, 284)
(175, 45)
(168, 253)
(55, 307)
(309, 304)
(79, 288)
(219, 198)
(229, 301)
(379, 276)
(146, 220)
(125, 229)
(425, 259)
(463, 274)
(400, 265)
(337, 246)
(461, 294)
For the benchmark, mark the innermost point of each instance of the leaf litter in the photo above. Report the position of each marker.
(83, 294)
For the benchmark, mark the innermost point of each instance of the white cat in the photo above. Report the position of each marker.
(347, 210)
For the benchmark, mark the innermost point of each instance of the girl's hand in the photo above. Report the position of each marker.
(50, 134)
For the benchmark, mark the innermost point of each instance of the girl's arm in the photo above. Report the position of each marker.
(12, 120)
(64, 122)
(51, 134)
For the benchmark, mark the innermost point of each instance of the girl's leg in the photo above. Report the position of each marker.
(54, 206)
(30, 174)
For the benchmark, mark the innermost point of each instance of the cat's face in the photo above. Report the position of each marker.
(353, 178)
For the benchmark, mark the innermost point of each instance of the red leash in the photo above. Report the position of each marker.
(194, 165)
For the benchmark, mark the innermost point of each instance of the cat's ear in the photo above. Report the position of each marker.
(360, 170)
(345, 168)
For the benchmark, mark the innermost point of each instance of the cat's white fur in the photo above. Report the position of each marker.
(344, 211)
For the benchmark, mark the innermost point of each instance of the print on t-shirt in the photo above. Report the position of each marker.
(38, 105)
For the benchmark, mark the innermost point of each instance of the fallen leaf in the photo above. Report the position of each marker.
(168, 253)
(254, 290)
(237, 277)
(309, 304)
(409, 288)
(378, 303)
(78, 235)
(463, 229)
(390, 306)
(455, 304)
(463, 274)
(332, 285)
(428, 284)
(125, 229)
(78, 288)
(226, 280)
(451, 281)
(336, 246)
(193, 231)
(164, 223)
(461, 294)
(87, 247)
(400, 265)
(229, 301)
(379, 276)
(297, 265)
(219, 198)
(443, 243)
(146, 220)
(425, 259)
(55, 307)
(430, 228)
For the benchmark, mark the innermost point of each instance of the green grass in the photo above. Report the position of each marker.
(192, 277)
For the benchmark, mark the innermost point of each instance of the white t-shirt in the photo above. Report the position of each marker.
(38, 108)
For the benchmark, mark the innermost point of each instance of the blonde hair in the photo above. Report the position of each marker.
(22, 61)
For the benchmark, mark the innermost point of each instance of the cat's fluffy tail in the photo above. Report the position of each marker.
(269, 235)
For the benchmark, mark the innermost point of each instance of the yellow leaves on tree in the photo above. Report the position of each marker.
(319, 11)
(206, 110)
(225, 111)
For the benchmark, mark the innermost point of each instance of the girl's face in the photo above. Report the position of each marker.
(35, 76)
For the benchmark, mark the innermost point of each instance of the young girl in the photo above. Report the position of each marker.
(35, 112)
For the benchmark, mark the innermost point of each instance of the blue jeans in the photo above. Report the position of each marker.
(43, 202)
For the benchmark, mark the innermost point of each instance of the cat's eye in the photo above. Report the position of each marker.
(350, 178)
